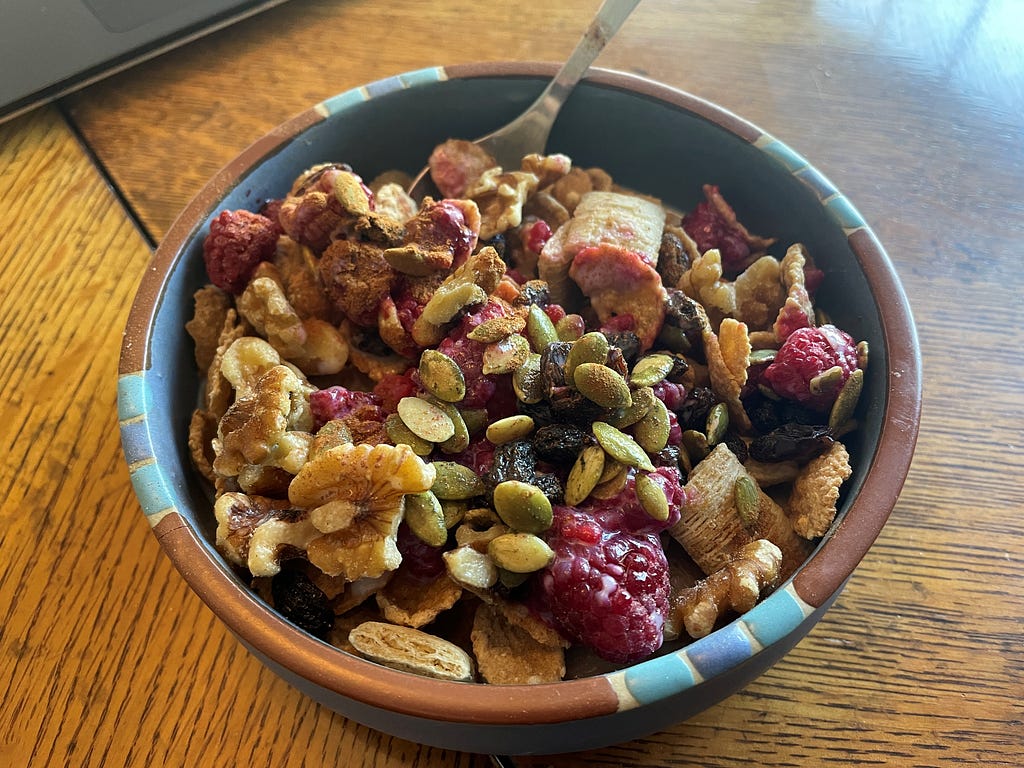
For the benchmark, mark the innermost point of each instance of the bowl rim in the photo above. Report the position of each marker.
(817, 581)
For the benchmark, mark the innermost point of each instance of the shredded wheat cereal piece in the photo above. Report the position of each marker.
(411, 650)
(508, 655)
(728, 356)
(712, 529)
(201, 431)
(413, 601)
(208, 318)
(812, 503)
(736, 586)
(798, 310)
(219, 391)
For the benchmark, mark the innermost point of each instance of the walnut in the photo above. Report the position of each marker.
(258, 533)
(392, 199)
(736, 586)
(500, 197)
(570, 189)
(245, 360)
(219, 390)
(759, 293)
(547, 168)
(207, 323)
(255, 429)
(265, 306)
(356, 497)
(325, 350)
(703, 282)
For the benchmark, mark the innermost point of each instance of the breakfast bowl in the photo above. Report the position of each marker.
(650, 138)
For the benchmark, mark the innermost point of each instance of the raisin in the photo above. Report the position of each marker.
(560, 443)
(512, 461)
(792, 442)
(736, 444)
(682, 329)
(673, 260)
(568, 405)
(617, 361)
(767, 414)
(533, 292)
(498, 243)
(302, 602)
(552, 365)
(550, 485)
(693, 413)
(628, 344)
(666, 457)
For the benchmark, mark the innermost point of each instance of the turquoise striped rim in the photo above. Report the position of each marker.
(155, 493)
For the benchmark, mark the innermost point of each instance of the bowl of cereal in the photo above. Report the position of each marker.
(553, 458)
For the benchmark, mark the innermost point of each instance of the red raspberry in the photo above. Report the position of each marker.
(479, 456)
(807, 353)
(442, 224)
(419, 558)
(624, 513)
(671, 394)
(709, 230)
(537, 236)
(469, 355)
(237, 243)
(618, 323)
(608, 590)
(338, 402)
(554, 312)
(392, 387)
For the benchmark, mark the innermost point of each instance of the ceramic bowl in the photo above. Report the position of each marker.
(650, 138)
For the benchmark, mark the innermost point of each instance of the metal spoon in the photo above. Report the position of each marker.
(529, 132)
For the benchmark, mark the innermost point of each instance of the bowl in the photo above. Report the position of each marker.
(394, 123)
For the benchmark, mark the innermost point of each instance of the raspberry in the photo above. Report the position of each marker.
(606, 589)
(392, 387)
(418, 557)
(624, 513)
(807, 353)
(469, 355)
(237, 243)
(554, 312)
(442, 223)
(709, 230)
(479, 456)
(537, 236)
(671, 394)
(618, 323)
(338, 402)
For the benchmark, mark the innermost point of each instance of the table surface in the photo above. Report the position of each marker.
(915, 110)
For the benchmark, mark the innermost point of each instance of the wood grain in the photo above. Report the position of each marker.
(915, 111)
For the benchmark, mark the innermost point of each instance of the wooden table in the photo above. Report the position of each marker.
(915, 110)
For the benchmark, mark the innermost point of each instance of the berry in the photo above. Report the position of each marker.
(623, 512)
(806, 354)
(537, 236)
(392, 387)
(671, 394)
(469, 356)
(338, 402)
(442, 224)
(237, 243)
(606, 589)
(418, 557)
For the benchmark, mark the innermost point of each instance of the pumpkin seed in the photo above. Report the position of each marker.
(650, 370)
(399, 434)
(584, 475)
(497, 328)
(442, 376)
(449, 299)
(511, 580)
(570, 328)
(612, 468)
(600, 384)
(335, 433)
(425, 518)
(613, 487)
(456, 482)
(759, 356)
(621, 446)
(826, 381)
(643, 401)
(522, 507)
(478, 528)
(459, 441)
(505, 356)
(652, 498)
(862, 355)
(651, 432)
(590, 348)
(520, 552)
(747, 501)
(508, 429)
(475, 418)
(410, 260)
(539, 328)
(527, 382)
(717, 423)
(846, 400)
(454, 512)
(425, 419)
(696, 445)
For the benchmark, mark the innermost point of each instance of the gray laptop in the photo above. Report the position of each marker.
(49, 48)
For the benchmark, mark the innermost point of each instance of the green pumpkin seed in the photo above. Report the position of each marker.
(520, 552)
(621, 446)
(475, 418)
(643, 401)
(696, 445)
(826, 382)
(570, 328)
(527, 382)
(455, 482)
(425, 419)
(652, 498)
(846, 401)
(651, 432)
(759, 356)
(442, 376)
(650, 370)
(459, 441)
(590, 348)
(497, 328)
(612, 468)
(584, 475)
(399, 434)
(451, 297)
(539, 329)
(332, 434)
(505, 356)
(613, 487)
(454, 512)
(410, 260)
(425, 517)
(508, 429)
(747, 500)
(717, 424)
(674, 339)
(511, 580)
(600, 384)
(522, 507)
(863, 351)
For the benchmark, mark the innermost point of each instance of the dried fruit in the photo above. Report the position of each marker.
(791, 442)
(238, 241)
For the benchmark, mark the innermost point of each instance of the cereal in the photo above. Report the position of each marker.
(399, 406)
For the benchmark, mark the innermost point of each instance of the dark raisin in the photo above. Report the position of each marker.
(302, 602)
(767, 414)
(617, 362)
(736, 444)
(792, 442)
(679, 368)
(512, 461)
(552, 365)
(666, 457)
(540, 412)
(693, 413)
(533, 292)
(627, 342)
(569, 406)
(673, 260)
(681, 331)
(560, 443)
(497, 243)
(551, 486)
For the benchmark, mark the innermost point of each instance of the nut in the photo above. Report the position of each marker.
(652, 498)
(621, 447)
(527, 381)
(506, 355)
(652, 431)
(650, 370)
(600, 384)
(441, 376)
(522, 506)
(520, 552)
(399, 434)
(470, 568)
(539, 328)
